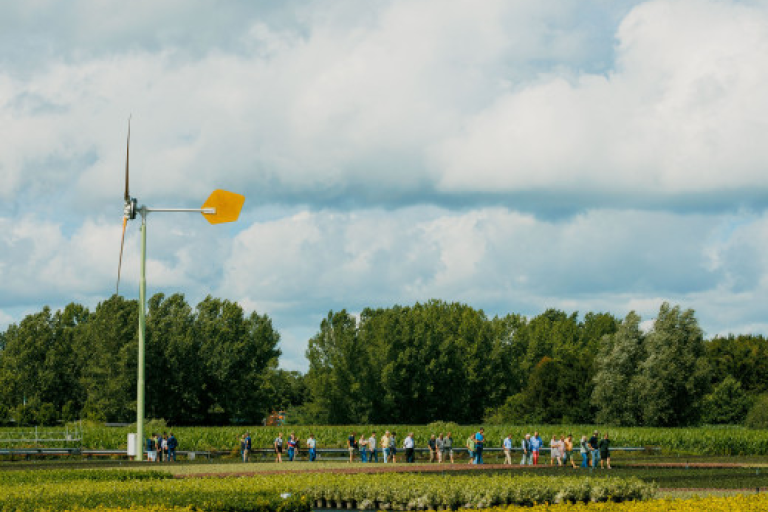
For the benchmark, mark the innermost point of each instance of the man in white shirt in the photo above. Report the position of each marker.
(409, 446)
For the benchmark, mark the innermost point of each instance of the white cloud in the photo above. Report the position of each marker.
(345, 123)
(684, 112)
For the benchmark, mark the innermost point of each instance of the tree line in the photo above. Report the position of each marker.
(447, 361)
(217, 364)
(209, 365)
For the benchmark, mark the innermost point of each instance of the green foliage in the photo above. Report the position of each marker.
(758, 414)
(709, 440)
(675, 375)
(261, 492)
(655, 379)
(448, 361)
(744, 357)
(211, 365)
(616, 394)
(727, 404)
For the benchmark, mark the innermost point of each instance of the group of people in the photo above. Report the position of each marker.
(593, 450)
(368, 447)
(291, 446)
(561, 450)
(161, 448)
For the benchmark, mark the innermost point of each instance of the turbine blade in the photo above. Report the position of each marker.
(120, 264)
(127, 157)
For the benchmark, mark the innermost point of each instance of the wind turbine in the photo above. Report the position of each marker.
(221, 206)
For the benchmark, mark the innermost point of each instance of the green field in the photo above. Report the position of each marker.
(726, 441)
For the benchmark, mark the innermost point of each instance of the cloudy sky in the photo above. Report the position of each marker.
(598, 155)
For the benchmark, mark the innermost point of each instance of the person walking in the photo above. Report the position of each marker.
(584, 452)
(471, 448)
(312, 447)
(373, 448)
(593, 447)
(536, 444)
(448, 447)
(362, 443)
(278, 445)
(247, 447)
(605, 451)
(351, 446)
(508, 449)
(479, 442)
(410, 447)
(432, 448)
(393, 447)
(527, 458)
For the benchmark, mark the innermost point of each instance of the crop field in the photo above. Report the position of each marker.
(723, 441)
(636, 483)
(301, 487)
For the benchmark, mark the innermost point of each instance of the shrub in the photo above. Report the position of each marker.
(758, 414)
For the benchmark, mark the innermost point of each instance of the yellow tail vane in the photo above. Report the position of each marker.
(222, 206)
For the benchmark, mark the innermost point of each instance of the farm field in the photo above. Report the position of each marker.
(162, 488)
(708, 440)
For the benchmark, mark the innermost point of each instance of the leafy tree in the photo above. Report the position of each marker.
(727, 403)
(743, 357)
(758, 414)
(236, 352)
(333, 364)
(675, 375)
(616, 394)
(108, 344)
(174, 369)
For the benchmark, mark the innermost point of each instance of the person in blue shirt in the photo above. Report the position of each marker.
(247, 447)
(508, 450)
(172, 444)
(536, 444)
(479, 441)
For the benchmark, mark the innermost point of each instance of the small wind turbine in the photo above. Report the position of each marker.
(221, 206)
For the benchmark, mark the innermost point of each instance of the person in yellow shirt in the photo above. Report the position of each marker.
(385, 446)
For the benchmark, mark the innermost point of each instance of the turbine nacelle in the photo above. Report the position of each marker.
(130, 209)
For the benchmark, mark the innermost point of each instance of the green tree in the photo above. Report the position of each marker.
(727, 404)
(675, 375)
(616, 394)
(743, 357)
(108, 345)
(237, 354)
(333, 365)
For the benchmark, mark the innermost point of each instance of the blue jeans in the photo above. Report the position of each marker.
(386, 455)
(527, 459)
(363, 455)
(595, 457)
(291, 451)
(478, 453)
(374, 455)
(584, 460)
(312, 454)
